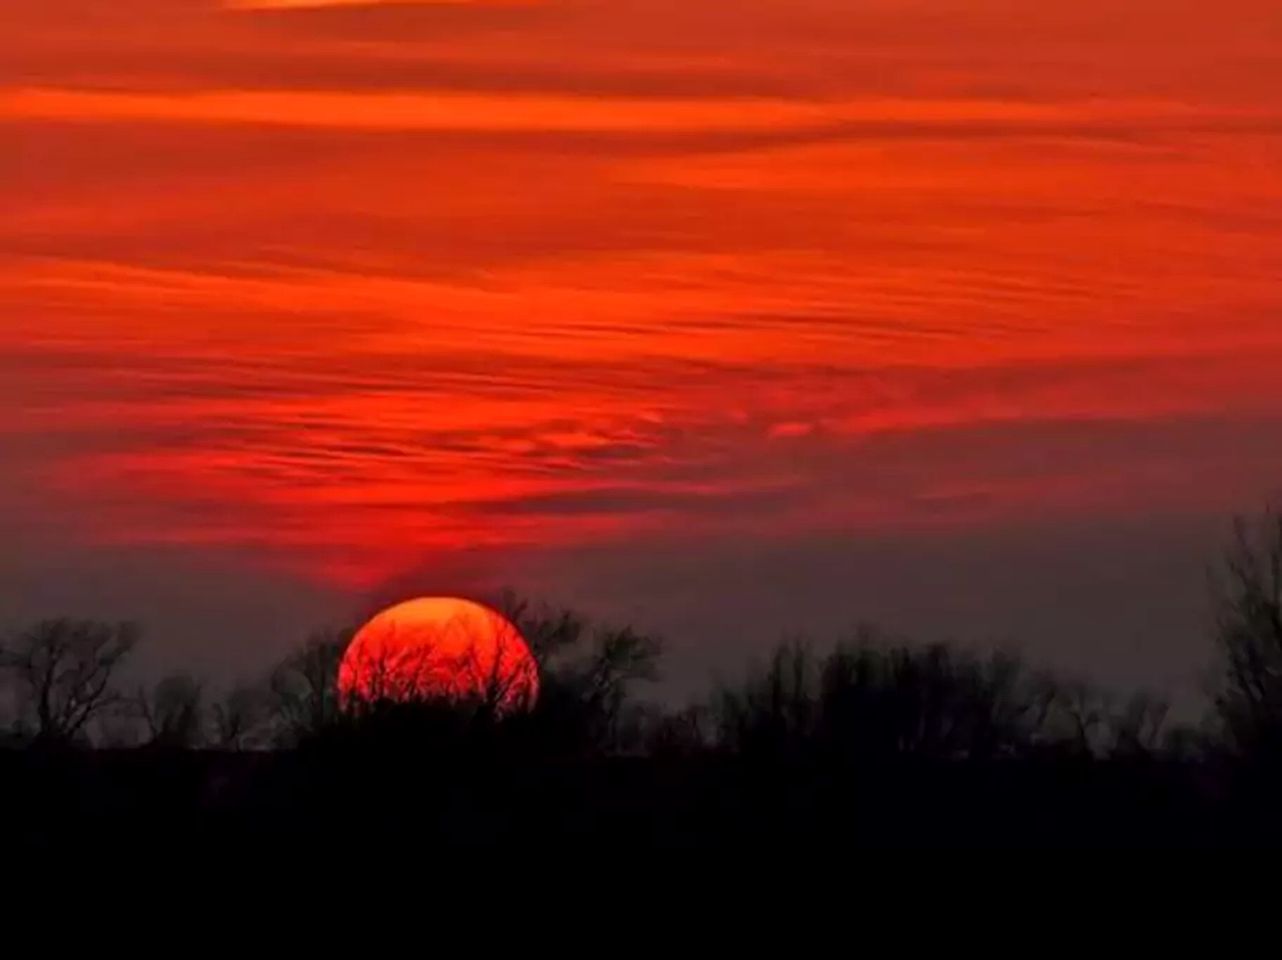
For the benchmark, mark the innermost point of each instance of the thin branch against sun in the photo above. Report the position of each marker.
(439, 649)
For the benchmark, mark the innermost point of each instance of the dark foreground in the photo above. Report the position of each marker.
(302, 802)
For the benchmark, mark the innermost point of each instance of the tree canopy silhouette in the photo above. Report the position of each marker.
(1248, 599)
(63, 673)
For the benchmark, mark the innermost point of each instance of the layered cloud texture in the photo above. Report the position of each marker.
(348, 284)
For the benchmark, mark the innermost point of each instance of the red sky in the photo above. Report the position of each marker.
(342, 289)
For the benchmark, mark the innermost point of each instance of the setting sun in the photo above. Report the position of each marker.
(439, 648)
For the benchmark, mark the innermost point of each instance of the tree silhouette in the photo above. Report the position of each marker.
(772, 713)
(304, 687)
(1139, 728)
(172, 712)
(238, 719)
(588, 674)
(875, 740)
(877, 699)
(1247, 590)
(62, 673)
(553, 634)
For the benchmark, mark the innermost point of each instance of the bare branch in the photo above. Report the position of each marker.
(63, 672)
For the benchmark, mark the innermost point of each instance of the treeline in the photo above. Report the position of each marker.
(870, 699)
(62, 685)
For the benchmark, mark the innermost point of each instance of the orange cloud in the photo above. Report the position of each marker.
(314, 4)
(533, 113)
(349, 287)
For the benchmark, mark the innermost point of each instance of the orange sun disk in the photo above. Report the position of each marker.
(439, 648)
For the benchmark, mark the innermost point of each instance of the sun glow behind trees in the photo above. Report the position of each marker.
(440, 648)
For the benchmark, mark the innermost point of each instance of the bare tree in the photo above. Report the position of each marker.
(553, 635)
(237, 720)
(619, 660)
(587, 673)
(773, 712)
(684, 733)
(63, 671)
(1247, 590)
(880, 697)
(172, 712)
(1139, 728)
(304, 686)
(1087, 714)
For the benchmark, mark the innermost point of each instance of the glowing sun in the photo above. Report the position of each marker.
(439, 648)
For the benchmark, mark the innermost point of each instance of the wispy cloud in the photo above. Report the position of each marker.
(344, 287)
(532, 113)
